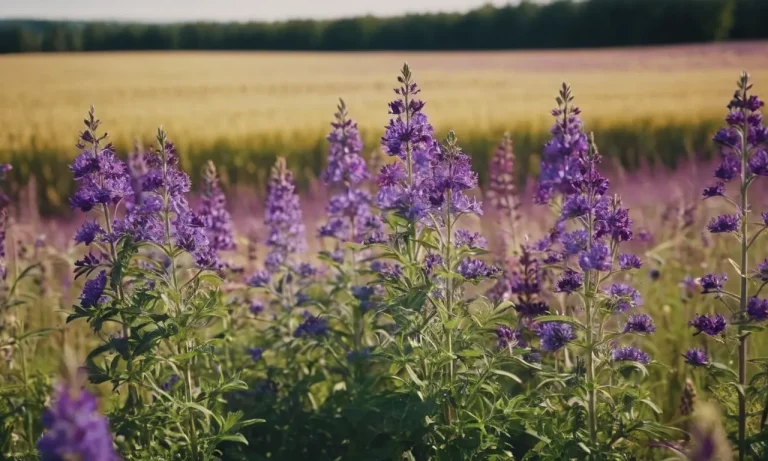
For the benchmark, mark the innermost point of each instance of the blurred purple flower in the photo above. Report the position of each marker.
(696, 357)
(631, 354)
(639, 323)
(554, 335)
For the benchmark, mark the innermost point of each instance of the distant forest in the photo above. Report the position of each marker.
(561, 24)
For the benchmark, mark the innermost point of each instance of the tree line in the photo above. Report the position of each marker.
(560, 24)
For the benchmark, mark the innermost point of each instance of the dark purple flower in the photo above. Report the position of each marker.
(623, 297)
(283, 216)
(170, 382)
(387, 270)
(616, 224)
(364, 294)
(630, 354)
(305, 270)
(88, 232)
(256, 353)
(506, 336)
(629, 261)
(729, 168)
(762, 270)
(74, 429)
(765, 218)
(471, 239)
(93, 290)
(696, 357)
(712, 283)
(574, 242)
(554, 335)
(724, 223)
(475, 269)
(312, 326)
(758, 163)
(711, 325)
(256, 307)
(532, 309)
(716, 190)
(597, 258)
(639, 323)
(757, 309)
(570, 281)
(431, 261)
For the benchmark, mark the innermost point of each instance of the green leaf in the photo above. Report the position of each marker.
(584, 447)
(563, 319)
(413, 376)
(507, 374)
(653, 406)
(722, 367)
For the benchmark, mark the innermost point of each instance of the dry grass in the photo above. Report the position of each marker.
(244, 98)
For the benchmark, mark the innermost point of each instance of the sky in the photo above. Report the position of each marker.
(225, 10)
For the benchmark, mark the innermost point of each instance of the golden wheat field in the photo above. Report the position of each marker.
(244, 97)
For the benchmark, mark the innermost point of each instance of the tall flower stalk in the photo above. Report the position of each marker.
(743, 147)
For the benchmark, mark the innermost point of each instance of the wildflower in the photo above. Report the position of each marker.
(762, 270)
(724, 223)
(630, 354)
(312, 326)
(259, 279)
(758, 163)
(711, 325)
(506, 336)
(214, 214)
(717, 190)
(757, 309)
(75, 429)
(255, 353)
(256, 307)
(688, 398)
(283, 217)
(570, 281)
(345, 165)
(696, 357)
(93, 290)
(532, 309)
(574, 242)
(629, 261)
(623, 297)
(364, 294)
(554, 335)
(709, 441)
(597, 258)
(168, 384)
(502, 191)
(386, 269)
(475, 269)
(712, 283)
(431, 261)
(88, 232)
(639, 323)
(473, 240)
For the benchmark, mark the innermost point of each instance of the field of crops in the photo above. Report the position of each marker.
(396, 308)
(244, 109)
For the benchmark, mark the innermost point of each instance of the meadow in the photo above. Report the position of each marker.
(246, 108)
(415, 300)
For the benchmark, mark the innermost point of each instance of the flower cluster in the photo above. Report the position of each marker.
(349, 214)
(75, 429)
(213, 212)
(283, 218)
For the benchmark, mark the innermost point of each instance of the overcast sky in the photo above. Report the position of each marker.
(225, 10)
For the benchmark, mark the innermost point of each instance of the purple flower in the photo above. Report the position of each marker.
(213, 212)
(639, 323)
(475, 269)
(312, 326)
(93, 290)
(471, 239)
(431, 261)
(729, 168)
(259, 279)
(506, 336)
(716, 190)
(597, 258)
(391, 175)
(711, 325)
(170, 382)
(554, 335)
(623, 297)
(712, 283)
(387, 270)
(765, 218)
(762, 270)
(574, 242)
(256, 307)
(630, 354)
(757, 309)
(570, 281)
(75, 429)
(283, 217)
(88, 232)
(256, 353)
(364, 294)
(696, 357)
(616, 224)
(629, 261)
(345, 165)
(724, 223)
(758, 164)
(532, 309)
(502, 190)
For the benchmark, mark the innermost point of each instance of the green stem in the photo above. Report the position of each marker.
(743, 286)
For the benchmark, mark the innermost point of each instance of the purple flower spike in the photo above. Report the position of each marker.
(312, 327)
(283, 218)
(724, 223)
(93, 290)
(554, 335)
(597, 258)
(711, 325)
(213, 212)
(75, 429)
(629, 261)
(623, 297)
(570, 282)
(696, 357)
(639, 323)
(631, 354)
